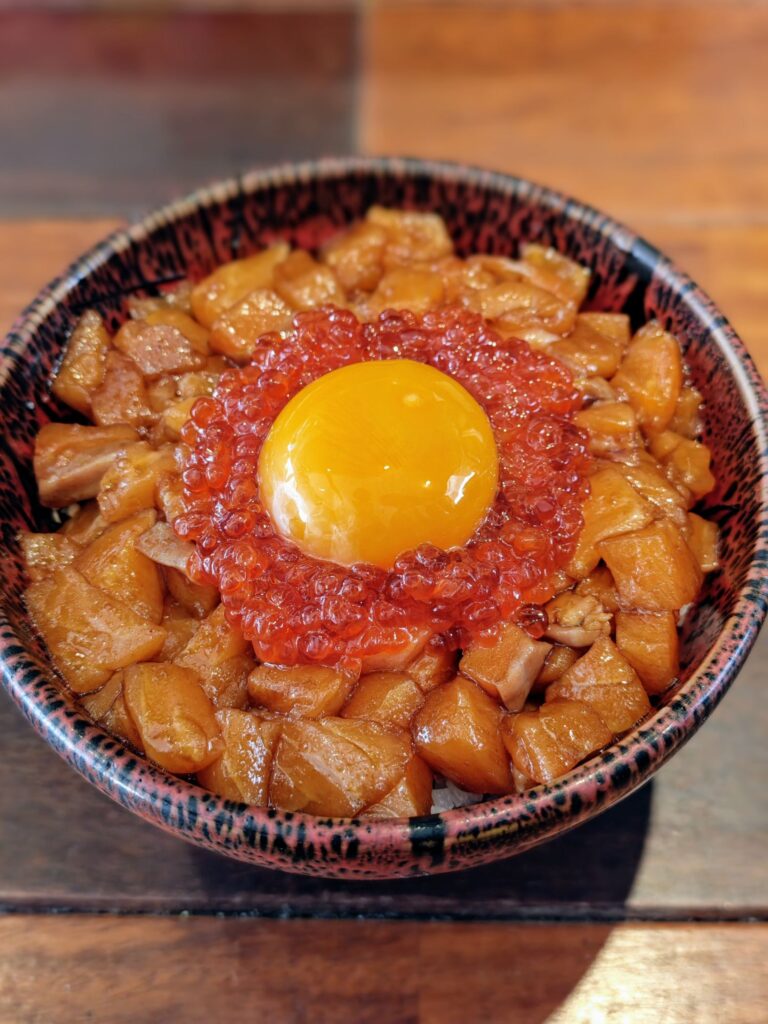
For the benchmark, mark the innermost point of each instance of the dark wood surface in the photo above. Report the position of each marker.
(118, 112)
(653, 111)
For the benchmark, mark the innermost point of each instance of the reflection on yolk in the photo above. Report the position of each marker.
(374, 459)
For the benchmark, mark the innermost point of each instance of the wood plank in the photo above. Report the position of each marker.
(659, 854)
(139, 970)
(152, 104)
(651, 111)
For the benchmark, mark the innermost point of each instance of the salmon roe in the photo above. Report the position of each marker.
(298, 609)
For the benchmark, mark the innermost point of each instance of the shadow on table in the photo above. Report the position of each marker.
(461, 971)
(583, 875)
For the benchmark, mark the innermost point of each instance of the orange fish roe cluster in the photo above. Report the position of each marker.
(297, 609)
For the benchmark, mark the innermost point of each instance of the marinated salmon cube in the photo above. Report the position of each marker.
(615, 326)
(222, 658)
(161, 392)
(612, 507)
(230, 283)
(169, 497)
(546, 743)
(122, 396)
(520, 304)
(236, 331)
(196, 385)
(335, 767)
(599, 584)
(588, 350)
(304, 283)
(407, 288)
(611, 426)
(180, 629)
(390, 698)
(164, 547)
(507, 668)
(176, 721)
(113, 563)
(107, 708)
(175, 415)
(356, 257)
(556, 662)
(651, 376)
(44, 553)
(171, 316)
(85, 525)
(88, 633)
(157, 348)
(653, 568)
(309, 691)
(410, 798)
(130, 483)
(648, 479)
(686, 463)
(457, 732)
(605, 680)
(436, 664)
(702, 537)
(84, 363)
(199, 599)
(649, 642)
(687, 417)
(70, 460)
(178, 296)
(412, 237)
(243, 771)
(572, 278)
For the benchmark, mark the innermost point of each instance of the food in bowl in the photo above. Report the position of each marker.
(371, 530)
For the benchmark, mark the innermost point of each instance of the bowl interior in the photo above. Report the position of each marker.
(484, 213)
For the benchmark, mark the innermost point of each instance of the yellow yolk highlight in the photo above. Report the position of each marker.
(376, 458)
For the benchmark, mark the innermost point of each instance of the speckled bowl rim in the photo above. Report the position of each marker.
(494, 828)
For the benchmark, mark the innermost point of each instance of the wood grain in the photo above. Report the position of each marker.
(650, 110)
(143, 970)
(114, 112)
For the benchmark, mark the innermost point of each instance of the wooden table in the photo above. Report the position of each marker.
(655, 111)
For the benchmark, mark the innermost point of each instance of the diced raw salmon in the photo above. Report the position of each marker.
(604, 679)
(457, 732)
(410, 798)
(243, 771)
(308, 691)
(88, 633)
(113, 563)
(390, 698)
(336, 767)
(649, 642)
(82, 369)
(546, 743)
(508, 667)
(173, 716)
(653, 568)
(70, 460)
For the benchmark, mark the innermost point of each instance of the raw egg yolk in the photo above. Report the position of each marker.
(376, 458)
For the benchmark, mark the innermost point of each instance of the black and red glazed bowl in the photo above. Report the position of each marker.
(486, 213)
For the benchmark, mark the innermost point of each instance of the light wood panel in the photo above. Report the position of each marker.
(649, 110)
(144, 970)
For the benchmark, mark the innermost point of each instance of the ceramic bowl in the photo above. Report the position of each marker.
(485, 212)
